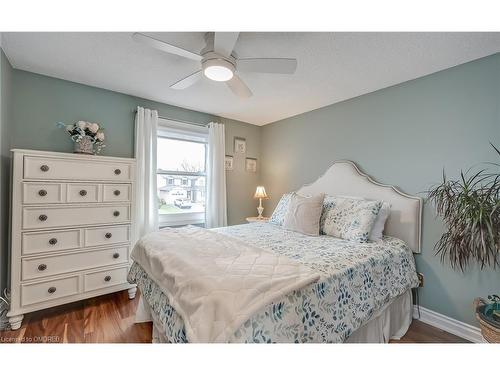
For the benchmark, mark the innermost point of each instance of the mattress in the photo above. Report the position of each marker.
(357, 280)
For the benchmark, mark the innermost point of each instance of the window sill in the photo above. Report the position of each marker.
(172, 220)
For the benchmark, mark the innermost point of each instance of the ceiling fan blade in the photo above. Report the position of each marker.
(239, 87)
(224, 43)
(277, 66)
(166, 47)
(187, 81)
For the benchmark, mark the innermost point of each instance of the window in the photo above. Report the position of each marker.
(181, 173)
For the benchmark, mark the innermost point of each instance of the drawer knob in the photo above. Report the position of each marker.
(108, 235)
(42, 267)
(116, 255)
(42, 193)
(118, 171)
(116, 213)
(53, 241)
(44, 168)
(116, 192)
(52, 289)
(42, 217)
(107, 278)
(83, 193)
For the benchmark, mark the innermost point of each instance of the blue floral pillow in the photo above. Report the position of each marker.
(350, 219)
(281, 210)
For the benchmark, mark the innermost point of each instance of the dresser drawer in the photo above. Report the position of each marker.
(40, 193)
(104, 279)
(117, 192)
(48, 217)
(57, 264)
(41, 242)
(82, 193)
(106, 235)
(48, 168)
(49, 290)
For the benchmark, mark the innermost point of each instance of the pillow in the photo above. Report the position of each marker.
(280, 210)
(348, 218)
(378, 228)
(303, 214)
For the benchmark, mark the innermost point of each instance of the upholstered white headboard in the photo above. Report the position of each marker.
(344, 178)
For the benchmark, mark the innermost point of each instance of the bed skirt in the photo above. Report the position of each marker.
(390, 323)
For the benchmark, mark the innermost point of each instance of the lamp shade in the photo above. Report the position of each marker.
(260, 192)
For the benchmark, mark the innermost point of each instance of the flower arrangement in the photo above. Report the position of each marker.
(4, 309)
(88, 136)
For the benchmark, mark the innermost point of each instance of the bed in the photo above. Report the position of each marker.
(363, 293)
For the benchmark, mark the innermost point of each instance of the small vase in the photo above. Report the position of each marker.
(85, 146)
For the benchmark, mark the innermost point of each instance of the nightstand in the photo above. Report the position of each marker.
(255, 219)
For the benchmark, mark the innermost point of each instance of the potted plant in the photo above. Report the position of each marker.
(488, 315)
(470, 209)
(88, 136)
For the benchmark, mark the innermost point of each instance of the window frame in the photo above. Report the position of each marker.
(185, 133)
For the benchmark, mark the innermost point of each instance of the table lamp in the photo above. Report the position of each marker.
(261, 194)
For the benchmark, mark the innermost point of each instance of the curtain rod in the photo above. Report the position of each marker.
(181, 121)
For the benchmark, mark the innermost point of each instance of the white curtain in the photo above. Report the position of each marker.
(146, 124)
(216, 211)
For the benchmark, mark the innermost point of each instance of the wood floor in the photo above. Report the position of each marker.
(110, 319)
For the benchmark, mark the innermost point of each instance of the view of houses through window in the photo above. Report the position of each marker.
(181, 181)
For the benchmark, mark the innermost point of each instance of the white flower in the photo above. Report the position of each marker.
(100, 136)
(93, 127)
(82, 125)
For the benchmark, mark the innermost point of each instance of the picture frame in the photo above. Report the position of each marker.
(229, 162)
(240, 145)
(251, 165)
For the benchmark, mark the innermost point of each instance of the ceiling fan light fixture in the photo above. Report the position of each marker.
(218, 70)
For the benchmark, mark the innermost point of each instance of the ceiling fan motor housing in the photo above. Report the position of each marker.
(217, 67)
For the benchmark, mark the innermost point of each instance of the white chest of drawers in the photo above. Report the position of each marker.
(72, 228)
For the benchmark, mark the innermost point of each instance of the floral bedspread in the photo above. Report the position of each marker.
(357, 280)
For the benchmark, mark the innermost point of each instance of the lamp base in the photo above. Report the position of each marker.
(260, 210)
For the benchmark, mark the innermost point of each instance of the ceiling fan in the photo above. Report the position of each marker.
(219, 62)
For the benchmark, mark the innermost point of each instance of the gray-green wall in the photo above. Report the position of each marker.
(403, 135)
(39, 102)
(5, 122)
(240, 183)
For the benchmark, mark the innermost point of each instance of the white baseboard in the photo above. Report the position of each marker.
(448, 324)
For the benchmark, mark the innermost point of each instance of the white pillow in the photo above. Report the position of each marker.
(378, 228)
(377, 231)
(303, 214)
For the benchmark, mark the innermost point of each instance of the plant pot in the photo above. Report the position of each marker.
(85, 146)
(489, 328)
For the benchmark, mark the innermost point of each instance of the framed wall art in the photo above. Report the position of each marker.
(251, 165)
(240, 145)
(228, 162)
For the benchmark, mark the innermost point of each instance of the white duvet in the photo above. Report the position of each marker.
(216, 282)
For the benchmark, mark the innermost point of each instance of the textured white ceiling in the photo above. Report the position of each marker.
(332, 67)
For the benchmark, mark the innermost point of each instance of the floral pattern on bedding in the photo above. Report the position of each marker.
(350, 219)
(357, 280)
(281, 209)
